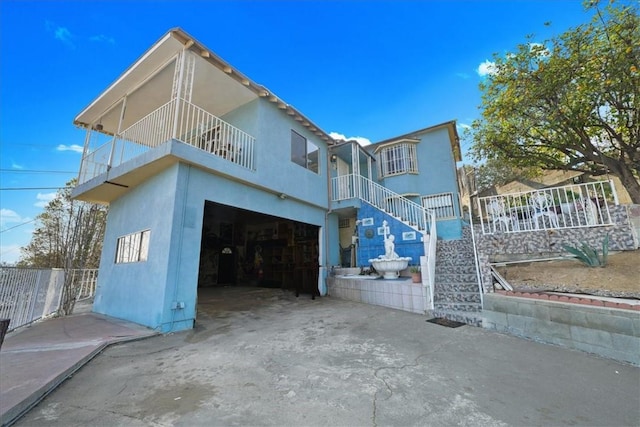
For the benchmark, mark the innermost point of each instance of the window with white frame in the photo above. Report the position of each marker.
(303, 152)
(133, 247)
(441, 204)
(398, 159)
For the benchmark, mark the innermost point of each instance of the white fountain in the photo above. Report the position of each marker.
(389, 264)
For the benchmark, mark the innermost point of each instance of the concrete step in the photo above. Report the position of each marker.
(458, 307)
(458, 297)
(456, 277)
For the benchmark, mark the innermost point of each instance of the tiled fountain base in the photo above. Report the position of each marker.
(400, 294)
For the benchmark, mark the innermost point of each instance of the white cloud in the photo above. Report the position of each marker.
(104, 39)
(44, 199)
(60, 33)
(360, 139)
(463, 126)
(485, 68)
(14, 165)
(73, 147)
(7, 216)
(9, 254)
(542, 51)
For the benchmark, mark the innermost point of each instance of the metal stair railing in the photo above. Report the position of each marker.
(412, 214)
(399, 207)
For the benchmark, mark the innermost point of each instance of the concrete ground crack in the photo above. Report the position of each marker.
(415, 363)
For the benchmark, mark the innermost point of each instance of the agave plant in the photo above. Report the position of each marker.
(588, 255)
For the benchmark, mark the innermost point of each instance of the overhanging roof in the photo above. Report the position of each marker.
(454, 139)
(155, 66)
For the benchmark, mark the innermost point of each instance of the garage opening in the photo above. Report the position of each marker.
(249, 249)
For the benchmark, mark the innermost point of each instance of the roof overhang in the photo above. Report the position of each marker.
(147, 85)
(454, 139)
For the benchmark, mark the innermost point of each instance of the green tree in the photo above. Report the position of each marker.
(571, 103)
(494, 172)
(68, 235)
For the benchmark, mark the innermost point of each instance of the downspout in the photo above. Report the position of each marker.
(322, 281)
(176, 279)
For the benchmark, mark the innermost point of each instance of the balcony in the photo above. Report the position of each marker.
(179, 120)
(569, 206)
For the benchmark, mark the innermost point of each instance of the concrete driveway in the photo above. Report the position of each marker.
(263, 357)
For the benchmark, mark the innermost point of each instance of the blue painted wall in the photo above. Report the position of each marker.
(171, 205)
(372, 247)
(137, 291)
(437, 174)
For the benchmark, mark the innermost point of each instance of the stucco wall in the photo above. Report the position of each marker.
(437, 170)
(136, 291)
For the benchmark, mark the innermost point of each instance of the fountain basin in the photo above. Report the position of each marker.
(390, 268)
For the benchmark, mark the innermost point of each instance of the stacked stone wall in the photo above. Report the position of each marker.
(538, 244)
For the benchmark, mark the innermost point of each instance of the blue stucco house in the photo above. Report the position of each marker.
(212, 179)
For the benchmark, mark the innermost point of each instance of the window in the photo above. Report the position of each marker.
(441, 204)
(133, 247)
(398, 159)
(344, 223)
(303, 152)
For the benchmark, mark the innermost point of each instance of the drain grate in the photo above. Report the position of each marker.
(446, 322)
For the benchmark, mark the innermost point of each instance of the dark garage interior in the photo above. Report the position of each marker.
(246, 248)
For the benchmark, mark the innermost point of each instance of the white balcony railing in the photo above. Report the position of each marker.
(177, 119)
(569, 206)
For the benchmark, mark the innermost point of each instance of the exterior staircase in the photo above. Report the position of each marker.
(456, 293)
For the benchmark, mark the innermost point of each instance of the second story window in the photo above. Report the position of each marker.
(398, 159)
(303, 152)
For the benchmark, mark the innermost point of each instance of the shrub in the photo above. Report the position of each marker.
(588, 255)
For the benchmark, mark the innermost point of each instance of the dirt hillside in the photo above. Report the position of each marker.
(620, 278)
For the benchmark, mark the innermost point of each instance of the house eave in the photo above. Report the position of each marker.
(163, 51)
(454, 139)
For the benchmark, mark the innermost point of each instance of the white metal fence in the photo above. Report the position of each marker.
(30, 294)
(177, 119)
(569, 206)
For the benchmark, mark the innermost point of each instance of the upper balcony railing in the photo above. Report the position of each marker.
(176, 119)
(569, 206)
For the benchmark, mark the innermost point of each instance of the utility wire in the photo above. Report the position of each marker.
(16, 226)
(33, 171)
(31, 188)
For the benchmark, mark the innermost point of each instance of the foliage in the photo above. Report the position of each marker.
(496, 173)
(69, 235)
(588, 255)
(414, 269)
(571, 103)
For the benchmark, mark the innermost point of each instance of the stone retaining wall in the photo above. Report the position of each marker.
(548, 243)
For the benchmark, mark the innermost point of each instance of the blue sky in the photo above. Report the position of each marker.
(371, 69)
